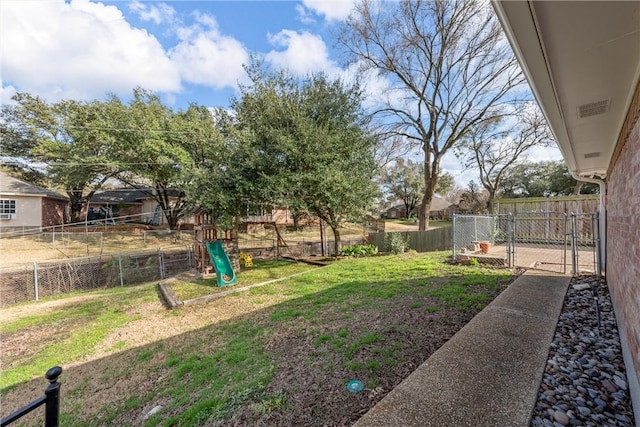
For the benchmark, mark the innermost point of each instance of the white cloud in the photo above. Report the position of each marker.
(332, 10)
(544, 154)
(378, 90)
(79, 50)
(6, 92)
(158, 13)
(304, 15)
(204, 56)
(304, 53)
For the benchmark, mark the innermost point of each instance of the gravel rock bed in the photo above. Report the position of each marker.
(584, 382)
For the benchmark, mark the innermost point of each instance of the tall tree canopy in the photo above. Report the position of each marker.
(306, 142)
(68, 142)
(154, 150)
(216, 181)
(448, 66)
(543, 179)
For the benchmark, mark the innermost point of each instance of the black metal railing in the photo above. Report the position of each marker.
(51, 400)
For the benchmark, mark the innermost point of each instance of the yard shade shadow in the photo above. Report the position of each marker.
(286, 363)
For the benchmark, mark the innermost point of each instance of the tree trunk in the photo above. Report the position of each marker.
(407, 210)
(336, 239)
(75, 203)
(76, 210)
(172, 220)
(430, 183)
(492, 195)
(423, 212)
(578, 188)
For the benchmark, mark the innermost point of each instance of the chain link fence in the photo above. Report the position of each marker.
(585, 240)
(32, 281)
(539, 240)
(485, 235)
(265, 241)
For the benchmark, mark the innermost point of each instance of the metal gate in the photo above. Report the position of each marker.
(552, 241)
(540, 241)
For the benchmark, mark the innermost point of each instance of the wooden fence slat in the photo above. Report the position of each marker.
(438, 239)
(566, 204)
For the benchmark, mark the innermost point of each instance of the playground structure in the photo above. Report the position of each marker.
(210, 255)
(225, 273)
(205, 230)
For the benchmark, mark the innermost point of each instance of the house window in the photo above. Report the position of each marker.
(7, 208)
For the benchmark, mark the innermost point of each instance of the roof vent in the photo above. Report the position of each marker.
(593, 108)
(592, 155)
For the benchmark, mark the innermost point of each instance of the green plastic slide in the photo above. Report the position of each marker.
(220, 260)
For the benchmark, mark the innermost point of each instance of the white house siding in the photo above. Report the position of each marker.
(148, 210)
(28, 212)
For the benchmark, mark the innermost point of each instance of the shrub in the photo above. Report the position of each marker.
(397, 243)
(359, 250)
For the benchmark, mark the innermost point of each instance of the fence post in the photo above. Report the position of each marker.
(120, 269)
(475, 228)
(160, 263)
(564, 268)
(35, 279)
(574, 247)
(595, 232)
(52, 394)
(453, 238)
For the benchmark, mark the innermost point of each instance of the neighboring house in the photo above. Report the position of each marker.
(24, 205)
(129, 205)
(582, 60)
(440, 209)
(260, 215)
(396, 210)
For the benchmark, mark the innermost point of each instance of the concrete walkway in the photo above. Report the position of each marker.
(489, 373)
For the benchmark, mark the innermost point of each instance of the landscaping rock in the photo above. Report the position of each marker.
(584, 383)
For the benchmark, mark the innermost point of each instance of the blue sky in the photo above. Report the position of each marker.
(186, 51)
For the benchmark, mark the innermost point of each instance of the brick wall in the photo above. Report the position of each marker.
(623, 239)
(53, 211)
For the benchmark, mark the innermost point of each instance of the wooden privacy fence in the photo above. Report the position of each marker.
(438, 239)
(565, 204)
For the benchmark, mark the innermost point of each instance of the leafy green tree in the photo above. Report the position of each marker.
(448, 68)
(216, 183)
(404, 180)
(67, 144)
(306, 143)
(542, 179)
(446, 184)
(152, 151)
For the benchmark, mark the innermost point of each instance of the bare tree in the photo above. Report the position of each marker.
(472, 199)
(448, 67)
(495, 147)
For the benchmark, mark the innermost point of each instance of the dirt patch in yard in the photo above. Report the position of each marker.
(317, 391)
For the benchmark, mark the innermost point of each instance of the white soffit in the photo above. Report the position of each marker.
(582, 60)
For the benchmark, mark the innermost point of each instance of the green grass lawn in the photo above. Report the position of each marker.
(278, 354)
